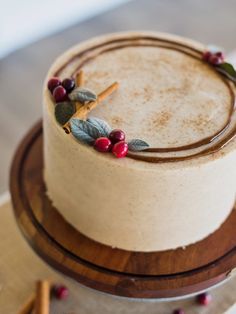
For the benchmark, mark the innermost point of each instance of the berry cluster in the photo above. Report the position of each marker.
(214, 58)
(60, 89)
(115, 143)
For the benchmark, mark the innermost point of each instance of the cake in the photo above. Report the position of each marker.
(174, 101)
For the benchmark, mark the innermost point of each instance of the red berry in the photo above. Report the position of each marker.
(59, 94)
(178, 311)
(102, 144)
(68, 84)
(53, 83)
(215, 60)
(61, 292)
(117, 135)
(120, 149)
(204, 298)
(206, 55)
(220, 55)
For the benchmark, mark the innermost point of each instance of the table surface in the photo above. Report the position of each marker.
(20, 268)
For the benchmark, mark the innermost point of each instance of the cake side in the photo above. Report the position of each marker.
(138, 205)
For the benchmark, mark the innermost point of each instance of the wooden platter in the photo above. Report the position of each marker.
(162, 274)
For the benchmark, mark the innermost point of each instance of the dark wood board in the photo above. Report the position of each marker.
(162, 274)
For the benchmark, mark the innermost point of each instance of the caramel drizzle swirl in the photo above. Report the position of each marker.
(121, 43)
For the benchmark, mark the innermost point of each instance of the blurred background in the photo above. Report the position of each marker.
(34, 33)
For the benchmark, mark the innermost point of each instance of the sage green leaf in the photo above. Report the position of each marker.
(82, 95)
(84, 131)
(228, 70)
(136, 145)
(103, 127)
(64, 111)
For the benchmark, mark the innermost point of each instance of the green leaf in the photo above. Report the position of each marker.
(228, 70)
(84, 131)
(136, 145)
(82, 95)
(227, 67)
(103, 127)
(64, 111)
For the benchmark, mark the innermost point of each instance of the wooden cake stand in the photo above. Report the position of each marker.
(162, 274)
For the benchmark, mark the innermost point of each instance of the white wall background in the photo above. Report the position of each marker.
(25, 21)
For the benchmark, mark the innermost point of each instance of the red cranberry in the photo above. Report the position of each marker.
(206, 55)
(204, 298)
(102, 144)
(120, 149)
(215, 60)
(59, 94)
(53, 83)
(178, 311)
(117, 135)
(68, 84)
(220, 55)
(61, 292)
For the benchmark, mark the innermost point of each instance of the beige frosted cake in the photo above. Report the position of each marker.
(171, 105)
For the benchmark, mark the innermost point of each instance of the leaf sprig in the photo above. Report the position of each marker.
(215, 56)
(91, 129)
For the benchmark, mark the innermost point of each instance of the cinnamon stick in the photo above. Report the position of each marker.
(42, 297)
(79, 81)
(84, 110)
(28, 306)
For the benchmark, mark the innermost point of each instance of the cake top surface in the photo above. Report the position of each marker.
(167, 96)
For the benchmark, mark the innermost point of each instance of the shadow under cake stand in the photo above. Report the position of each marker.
(165, 274)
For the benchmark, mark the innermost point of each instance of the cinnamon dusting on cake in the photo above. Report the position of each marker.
(161, 119)
(117, 121)
(148, 93)
(136, 93)
(200, 123)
